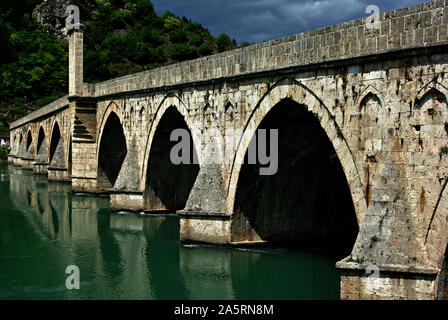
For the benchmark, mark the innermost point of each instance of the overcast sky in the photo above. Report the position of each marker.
(260, 20)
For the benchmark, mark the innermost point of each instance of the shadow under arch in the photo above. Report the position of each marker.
(55, 140)
(41, 138)
(20, 142)
(307, 201)
(42, 150)
(170, 100)
(168, 185)
(29, 139)
(112, 150)
(369, 93)
(431, 89)
(431, 94)
(299, 93)
(367, 97)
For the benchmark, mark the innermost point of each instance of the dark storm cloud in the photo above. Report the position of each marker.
(259, 20)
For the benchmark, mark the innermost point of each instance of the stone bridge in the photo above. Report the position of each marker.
(362, 121)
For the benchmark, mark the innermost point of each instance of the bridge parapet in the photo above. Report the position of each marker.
(417, 26)
(53, 107)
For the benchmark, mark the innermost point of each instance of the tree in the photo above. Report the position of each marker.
(223, 42)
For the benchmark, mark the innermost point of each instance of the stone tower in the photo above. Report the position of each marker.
(75, 42)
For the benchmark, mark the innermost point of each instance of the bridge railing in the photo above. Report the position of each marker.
(416, 26)
(411, 27)
(42, 112)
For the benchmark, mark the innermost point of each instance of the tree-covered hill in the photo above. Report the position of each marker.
(120, 37)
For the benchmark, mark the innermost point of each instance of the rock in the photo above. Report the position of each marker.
(51, 14)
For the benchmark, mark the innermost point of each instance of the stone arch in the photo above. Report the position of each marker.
(19, 144)
(299, 93)
(55, 139)
(432, 93)
(168, 101)
(112, 148)
(132, 118)
(432, 88)
(41, 137)
(367, 97)
(112, 107)
(142, 117)
(369, 93)
(228, 106)
(29, 139)
(229, 111)
(42, 149)
(168, 183)
(430, 106)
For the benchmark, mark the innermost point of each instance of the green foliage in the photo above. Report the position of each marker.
(178, 36)
(223, 42)
(355, 260)
(205, 49)
(150, 37)
(170, 21)
(196, 40)
(120, 37)
(193, 27)
(36, 65)
(443, 151)
(246, 44)
(182, 52)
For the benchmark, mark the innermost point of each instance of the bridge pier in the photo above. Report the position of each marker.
(58, 174)
(126, 200)
(40, 168)
(84, 146)
(392, 282)
(17, 161)
(27, 163)
(204, 227)
(11, 159)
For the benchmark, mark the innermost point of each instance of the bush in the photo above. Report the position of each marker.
(113, 43)
(151, 37)
(170, 22)
(182, 52)
(196, 41)
(178, 36)
(194, 27)
(247, 43)
(156, 55)
(223, 42)
(205, 49)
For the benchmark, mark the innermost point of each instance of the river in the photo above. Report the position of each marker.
(44, 229)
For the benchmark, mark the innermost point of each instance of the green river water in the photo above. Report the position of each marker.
(44, 229)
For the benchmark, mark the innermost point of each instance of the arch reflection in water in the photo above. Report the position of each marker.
(128, 256)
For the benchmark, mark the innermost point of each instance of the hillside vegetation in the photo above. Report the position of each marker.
(120, 37)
